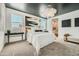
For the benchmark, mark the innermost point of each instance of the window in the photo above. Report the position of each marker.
(43, 24)
(16, 22)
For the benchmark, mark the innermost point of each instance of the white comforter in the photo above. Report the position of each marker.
(41, 39)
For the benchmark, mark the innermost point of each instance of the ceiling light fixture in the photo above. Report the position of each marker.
(49, 13)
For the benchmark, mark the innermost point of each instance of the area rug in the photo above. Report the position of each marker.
(56, 49)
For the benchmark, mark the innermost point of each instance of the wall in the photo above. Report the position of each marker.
(2, 25)
(11, 11)
(73, 31)
(8, 19)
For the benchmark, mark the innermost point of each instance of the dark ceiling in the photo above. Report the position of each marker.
(31, 8)
(35, 8)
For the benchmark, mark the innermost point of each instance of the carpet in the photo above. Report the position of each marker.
(23, 48)
(58, 49)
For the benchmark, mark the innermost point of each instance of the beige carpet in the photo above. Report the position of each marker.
(54, 49)
(18, 49)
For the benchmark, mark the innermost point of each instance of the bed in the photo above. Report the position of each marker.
(40, 40)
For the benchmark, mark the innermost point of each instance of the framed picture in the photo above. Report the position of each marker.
(66, 23)
(76, 22)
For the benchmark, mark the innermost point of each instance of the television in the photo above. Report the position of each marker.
(76, 22)
(66, 23)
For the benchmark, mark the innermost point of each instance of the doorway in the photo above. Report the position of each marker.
(55, 27)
